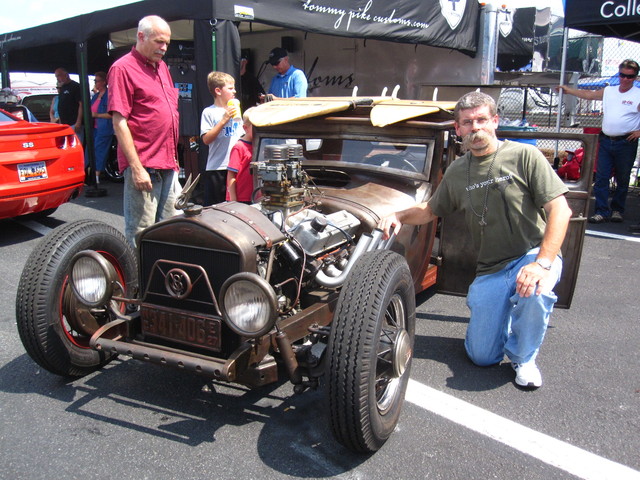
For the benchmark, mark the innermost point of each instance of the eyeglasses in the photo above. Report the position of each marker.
(625, 75)
(480, 121)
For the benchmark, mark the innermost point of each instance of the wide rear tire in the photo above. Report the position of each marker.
(54, 328)
(369, 351)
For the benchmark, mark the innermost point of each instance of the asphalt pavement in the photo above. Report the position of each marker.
(132, 420)
(631, 216)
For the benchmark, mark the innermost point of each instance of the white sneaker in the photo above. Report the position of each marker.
(527, 374)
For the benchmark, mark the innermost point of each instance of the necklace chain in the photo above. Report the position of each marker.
(482, 215)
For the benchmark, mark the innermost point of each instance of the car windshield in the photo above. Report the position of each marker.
(389, 154)
(4, 118)
(39, 105)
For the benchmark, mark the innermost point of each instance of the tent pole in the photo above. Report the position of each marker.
(87, 123)
(563, 65)
(214, 52)
(489, 44)
(4, 66)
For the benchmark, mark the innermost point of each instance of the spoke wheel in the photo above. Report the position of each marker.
(369, 351)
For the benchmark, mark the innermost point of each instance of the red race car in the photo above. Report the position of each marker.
(41, 166)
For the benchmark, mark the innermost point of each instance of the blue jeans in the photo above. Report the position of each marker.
(503, 323)
(143, 209)
(619, 155)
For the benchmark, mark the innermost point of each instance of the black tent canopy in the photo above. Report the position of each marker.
(82, 41)
(610, 18)
(42, 48)
(45, 47)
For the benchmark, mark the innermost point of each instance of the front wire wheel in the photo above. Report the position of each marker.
(54, 326)
(369, 351)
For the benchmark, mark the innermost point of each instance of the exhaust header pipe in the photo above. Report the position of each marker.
(367, 243)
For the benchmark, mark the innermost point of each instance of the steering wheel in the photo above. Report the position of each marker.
(391, 161)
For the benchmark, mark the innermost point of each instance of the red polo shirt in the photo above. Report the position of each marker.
(144, 94)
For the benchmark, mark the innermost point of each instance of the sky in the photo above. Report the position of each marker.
(20, 14)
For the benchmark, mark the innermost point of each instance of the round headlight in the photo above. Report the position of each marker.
(92, 278)
(248, 304)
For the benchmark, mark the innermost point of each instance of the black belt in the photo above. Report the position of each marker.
(618, 137)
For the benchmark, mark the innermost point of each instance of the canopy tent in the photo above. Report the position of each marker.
(45, 47)
(85, 41)
(613, 18)
(451, 25)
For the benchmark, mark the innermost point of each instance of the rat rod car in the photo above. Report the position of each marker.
(300, 283)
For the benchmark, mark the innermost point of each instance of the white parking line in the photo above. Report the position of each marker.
(554, 452)
(595, 233)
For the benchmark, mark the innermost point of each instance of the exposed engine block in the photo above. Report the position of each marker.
(323, 244)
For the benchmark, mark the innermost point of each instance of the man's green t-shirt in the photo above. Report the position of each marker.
(521, 182)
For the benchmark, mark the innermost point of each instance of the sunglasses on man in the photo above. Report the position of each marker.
(626, 75)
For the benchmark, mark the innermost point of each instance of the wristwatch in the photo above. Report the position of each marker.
(544, 263)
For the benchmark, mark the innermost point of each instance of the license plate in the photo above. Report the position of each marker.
(185, 328)
(32, 171)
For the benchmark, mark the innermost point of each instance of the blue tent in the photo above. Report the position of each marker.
(595, 84)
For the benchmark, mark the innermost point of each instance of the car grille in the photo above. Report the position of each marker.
(203, 267)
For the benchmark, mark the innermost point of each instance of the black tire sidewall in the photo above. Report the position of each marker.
(383, 425)
(48, 267)
(361, 427)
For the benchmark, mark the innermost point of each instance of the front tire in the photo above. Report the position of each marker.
(54, 327)
(369, 351)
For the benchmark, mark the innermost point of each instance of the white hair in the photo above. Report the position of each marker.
(149, 25)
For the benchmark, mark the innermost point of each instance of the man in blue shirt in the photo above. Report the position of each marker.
(289, 81)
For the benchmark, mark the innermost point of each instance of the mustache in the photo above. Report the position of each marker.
(471, 138)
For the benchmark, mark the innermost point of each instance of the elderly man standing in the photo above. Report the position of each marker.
(69, 100)
(144, 105)
(517, 214)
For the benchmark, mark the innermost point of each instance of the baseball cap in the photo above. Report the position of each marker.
(276, 55)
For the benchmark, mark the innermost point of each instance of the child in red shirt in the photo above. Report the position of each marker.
(239, 179)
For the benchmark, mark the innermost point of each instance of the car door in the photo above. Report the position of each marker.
(457, 256)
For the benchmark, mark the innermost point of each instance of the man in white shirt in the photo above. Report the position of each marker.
(618, 142)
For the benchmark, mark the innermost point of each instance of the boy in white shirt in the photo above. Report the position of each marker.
(220, 131)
